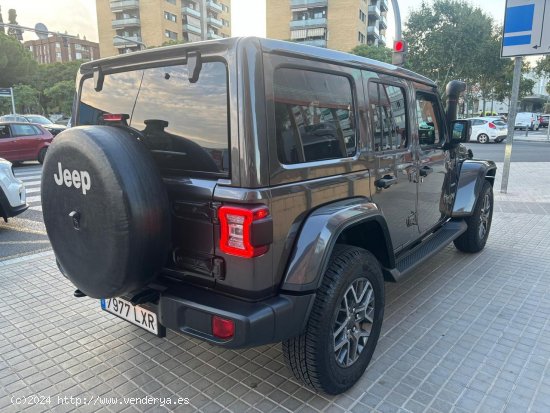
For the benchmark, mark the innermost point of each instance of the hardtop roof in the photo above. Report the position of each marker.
(175, 52)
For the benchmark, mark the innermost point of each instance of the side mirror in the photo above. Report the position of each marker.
(460, 131)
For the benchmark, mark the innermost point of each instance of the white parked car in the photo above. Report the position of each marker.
(527, 120)
(13, 198)
(485, 130)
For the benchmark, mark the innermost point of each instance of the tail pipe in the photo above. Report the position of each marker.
(453, 91)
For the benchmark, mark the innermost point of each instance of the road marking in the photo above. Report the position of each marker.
(27, 222)
(34, 198)
(32, 182)
(32, 190)
(36, 208)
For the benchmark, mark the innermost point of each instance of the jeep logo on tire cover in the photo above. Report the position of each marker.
(78, 179)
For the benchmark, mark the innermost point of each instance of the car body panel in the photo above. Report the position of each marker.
(25, 141)
(12, 192)
(472, 175)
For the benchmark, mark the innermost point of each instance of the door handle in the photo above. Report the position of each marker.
(385, 182)
(426, 170)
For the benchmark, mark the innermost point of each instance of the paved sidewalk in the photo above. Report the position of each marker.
(465, 333)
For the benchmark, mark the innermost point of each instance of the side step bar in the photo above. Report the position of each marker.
(427, 248)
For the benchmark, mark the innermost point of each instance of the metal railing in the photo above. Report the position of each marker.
(298, 24)
(191, 12)
(130, 21)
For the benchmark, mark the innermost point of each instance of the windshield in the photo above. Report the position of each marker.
(39, 119)
(184, 124)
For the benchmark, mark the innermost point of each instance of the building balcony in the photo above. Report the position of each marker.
(130, 21)
(374, 10)
(215, 22)
(383, 22)
(373, 31)
(308, 3)
(301, 24)
(192, 29)
(318, 42)
(214, 6)
(384, 5)
(382, 40)
(121, 5)
(212, 35)
(188, 11)
(130, 42)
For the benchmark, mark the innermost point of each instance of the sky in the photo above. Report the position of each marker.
(79, 16)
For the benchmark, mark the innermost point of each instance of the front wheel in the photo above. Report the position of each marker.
(483, 138)
(479, 223)
(344, 324)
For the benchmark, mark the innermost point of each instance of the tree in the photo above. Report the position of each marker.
(61, 95)
(543, 66)
(2, 29)
(16, 63)
(382, 54)
(26, 99)
(447, 40)
(49, 75)
(12, 31)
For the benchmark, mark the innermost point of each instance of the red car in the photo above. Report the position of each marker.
(20, 141)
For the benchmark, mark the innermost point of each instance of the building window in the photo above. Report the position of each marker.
(224, 8)
(171, 1)
(225, 22)
(171, 35)
(58, 57)
(170, 16)
(78, 56)
(362, 16)
(361, 38)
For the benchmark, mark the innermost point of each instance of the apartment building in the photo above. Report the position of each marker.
(336, 24)
(128, 25)
(60, 48)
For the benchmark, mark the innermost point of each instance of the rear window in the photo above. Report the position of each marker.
(184, 124)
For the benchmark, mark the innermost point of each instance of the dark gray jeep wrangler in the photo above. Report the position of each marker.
(249, 191)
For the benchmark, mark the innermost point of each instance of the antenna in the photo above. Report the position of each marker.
(41, 30)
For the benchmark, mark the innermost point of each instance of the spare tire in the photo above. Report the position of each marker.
(105, 209)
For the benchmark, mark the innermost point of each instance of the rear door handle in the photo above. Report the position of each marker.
(385, 182)
(426, 170)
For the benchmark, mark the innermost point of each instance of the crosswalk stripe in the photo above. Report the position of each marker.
(33, 179)
(34, 198)
(31, 182)
(36, 208)
(32, 190)
(27, 173)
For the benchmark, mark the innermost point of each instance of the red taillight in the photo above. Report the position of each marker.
(111, 117)
(236, 230)
(492, 125)
(222, 328)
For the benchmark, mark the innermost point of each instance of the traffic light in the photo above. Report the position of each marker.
(400, 50)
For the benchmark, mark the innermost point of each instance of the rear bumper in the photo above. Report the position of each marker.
(190, 309)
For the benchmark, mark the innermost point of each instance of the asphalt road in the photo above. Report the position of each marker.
(26, 233)
(521, 151)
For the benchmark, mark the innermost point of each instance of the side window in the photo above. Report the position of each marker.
(429, 121)
(388, 116)
(23, 130)
(314, 116)
(477, 122)
(4, 131)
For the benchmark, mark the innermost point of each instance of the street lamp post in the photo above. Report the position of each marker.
(397, 17)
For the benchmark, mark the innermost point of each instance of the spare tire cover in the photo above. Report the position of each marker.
(105, 209)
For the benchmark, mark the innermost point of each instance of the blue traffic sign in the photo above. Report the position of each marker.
(525, 32)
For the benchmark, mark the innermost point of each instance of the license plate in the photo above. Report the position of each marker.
(135, 314)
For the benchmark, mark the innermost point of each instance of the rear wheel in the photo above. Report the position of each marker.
(483, 138)
(479, 223)
(42, 155)
(344, 325)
